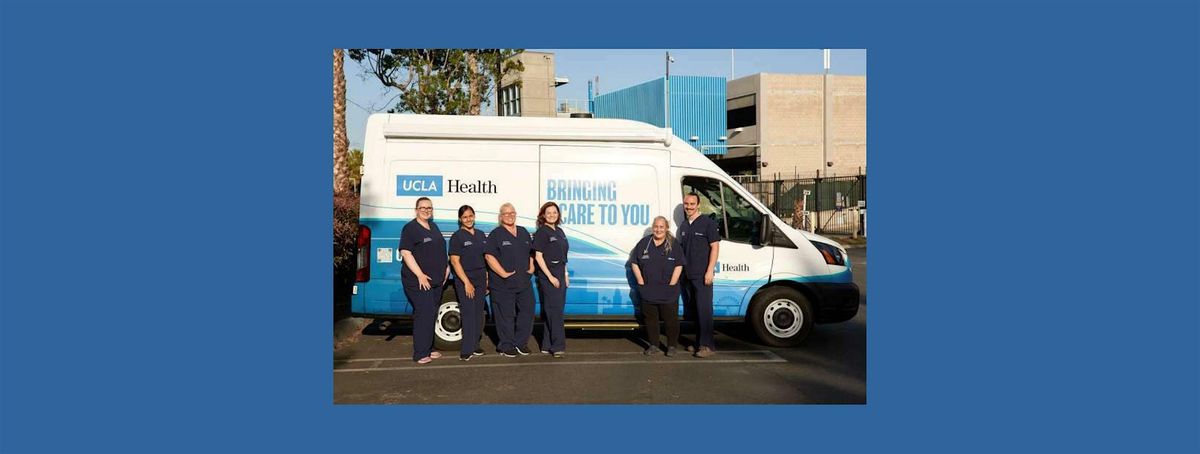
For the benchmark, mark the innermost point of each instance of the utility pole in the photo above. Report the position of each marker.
(825, 111)
(667, 92)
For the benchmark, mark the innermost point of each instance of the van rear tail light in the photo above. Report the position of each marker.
(363, 274)
(831, 253)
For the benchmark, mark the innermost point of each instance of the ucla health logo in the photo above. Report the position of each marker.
(426, 185)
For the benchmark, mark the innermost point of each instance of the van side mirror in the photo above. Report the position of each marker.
(764, 229)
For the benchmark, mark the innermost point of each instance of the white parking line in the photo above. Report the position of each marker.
(767, 357)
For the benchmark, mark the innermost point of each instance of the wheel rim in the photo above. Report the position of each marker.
(449, 322)
(783, 318)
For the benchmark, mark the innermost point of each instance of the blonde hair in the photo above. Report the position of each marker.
(668, 238)
(499, 217)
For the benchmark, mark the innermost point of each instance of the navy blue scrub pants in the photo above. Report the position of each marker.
(471, 310)
(424, 304)
(513, 316)
(700, 298)
(554, 303)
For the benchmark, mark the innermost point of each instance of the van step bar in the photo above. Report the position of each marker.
(602, 325)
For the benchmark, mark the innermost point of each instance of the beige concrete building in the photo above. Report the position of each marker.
(776, 125)
(535, 95)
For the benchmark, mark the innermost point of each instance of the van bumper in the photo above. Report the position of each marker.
(836, 302)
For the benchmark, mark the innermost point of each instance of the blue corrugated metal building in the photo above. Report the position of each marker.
(697, 108)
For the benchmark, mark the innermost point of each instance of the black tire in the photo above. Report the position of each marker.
(447, 328)
(780, 317)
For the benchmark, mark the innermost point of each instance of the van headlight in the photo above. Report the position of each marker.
(832, 254)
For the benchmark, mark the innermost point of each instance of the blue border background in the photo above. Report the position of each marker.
(166, 222)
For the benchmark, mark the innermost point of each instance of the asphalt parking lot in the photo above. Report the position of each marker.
(608, 367)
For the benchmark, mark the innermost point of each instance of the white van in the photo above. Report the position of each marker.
(610, 179)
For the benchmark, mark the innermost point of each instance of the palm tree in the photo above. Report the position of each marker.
(341, 145)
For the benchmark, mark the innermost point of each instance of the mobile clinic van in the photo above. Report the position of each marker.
(610, 179)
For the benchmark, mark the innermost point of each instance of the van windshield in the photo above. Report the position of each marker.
(737, 220)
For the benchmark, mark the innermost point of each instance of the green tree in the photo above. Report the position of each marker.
(439, 81)
(354, 162)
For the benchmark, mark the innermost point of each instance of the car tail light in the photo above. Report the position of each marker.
(363, 273)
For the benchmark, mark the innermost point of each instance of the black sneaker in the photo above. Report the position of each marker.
(478, 352)
(464, 357)
(523, 351)
(509, 353)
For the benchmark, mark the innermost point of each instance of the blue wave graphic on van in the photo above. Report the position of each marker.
(601, 281)
(426, 185)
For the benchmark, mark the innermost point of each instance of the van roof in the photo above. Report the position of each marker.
(520, 128)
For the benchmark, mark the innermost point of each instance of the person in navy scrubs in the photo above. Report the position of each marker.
(657, 265)
(701, 242)
(550, 253)
(424, 254)
(510, 264)
(470, 272)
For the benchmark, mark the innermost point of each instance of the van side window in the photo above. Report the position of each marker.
(711, 203)
(737, 220)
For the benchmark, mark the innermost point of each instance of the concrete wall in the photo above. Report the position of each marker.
(537, 87)
(848, 125)
(738, 88)
(791, 112)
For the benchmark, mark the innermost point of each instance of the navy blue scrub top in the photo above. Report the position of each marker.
(513, 254)
(469, 249)
(657, 265)
(428, 248)
(696, 238)
(553, 245)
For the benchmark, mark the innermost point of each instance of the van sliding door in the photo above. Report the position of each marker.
(608, 196)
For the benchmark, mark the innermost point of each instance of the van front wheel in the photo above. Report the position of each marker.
(447, 329)
(781, 317)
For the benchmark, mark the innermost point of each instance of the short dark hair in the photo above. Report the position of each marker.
(692, 194)
(418, 204)
(541, 219)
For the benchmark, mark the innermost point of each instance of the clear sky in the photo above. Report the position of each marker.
(620, 68)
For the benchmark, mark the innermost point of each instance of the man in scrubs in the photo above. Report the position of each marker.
(701, 243)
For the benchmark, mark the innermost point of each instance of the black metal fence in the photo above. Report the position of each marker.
(824, 205)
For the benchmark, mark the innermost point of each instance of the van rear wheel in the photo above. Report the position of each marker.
(447, 328)
(781, 317)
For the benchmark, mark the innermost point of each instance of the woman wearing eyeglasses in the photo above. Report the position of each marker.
(510, 264)
(550, 252)
(423, 251)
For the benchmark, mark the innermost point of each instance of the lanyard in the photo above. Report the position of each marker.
(646, 251)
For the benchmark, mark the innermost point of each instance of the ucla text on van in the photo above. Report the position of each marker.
(432, 186)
